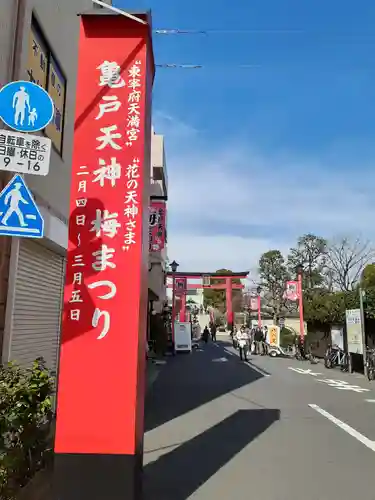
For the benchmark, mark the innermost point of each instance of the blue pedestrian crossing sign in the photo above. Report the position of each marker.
(19, 214)
(25, 106)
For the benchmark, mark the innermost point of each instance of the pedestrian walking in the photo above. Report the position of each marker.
(213, 332)
(265, 342)
(243, 343)
(206, 334)
(258, 338)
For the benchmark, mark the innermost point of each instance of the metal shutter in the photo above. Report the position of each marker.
(37, 305)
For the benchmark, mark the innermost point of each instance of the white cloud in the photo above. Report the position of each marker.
(255, 200)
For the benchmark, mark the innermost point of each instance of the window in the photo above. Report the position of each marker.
(44, 70)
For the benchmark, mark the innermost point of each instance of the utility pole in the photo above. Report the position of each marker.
(362, 294)
(299, 270)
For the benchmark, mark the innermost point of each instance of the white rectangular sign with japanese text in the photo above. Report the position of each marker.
(24, 153)
(354, 331)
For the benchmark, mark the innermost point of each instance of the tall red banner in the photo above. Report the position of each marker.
(254, 303)
(157, 225)
(180, 285)
(102, 358)
(291, 290)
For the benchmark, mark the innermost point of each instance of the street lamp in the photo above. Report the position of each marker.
(259, 289)
(174, 265)
(299, 271)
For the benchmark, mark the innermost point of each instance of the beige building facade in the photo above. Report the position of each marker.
(38, 43)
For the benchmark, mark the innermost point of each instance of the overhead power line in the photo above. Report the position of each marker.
(182, 66)
(226, 67)
(176, 31)
(201, 66)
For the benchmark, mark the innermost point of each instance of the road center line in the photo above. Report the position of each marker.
(345, 427)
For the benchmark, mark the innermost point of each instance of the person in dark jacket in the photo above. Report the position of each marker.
(206, 334)
(258, 335)
(213, 333)
(301, 347)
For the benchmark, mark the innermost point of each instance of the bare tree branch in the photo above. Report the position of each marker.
(346, 259)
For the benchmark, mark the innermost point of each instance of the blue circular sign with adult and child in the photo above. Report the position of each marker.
(25, 106)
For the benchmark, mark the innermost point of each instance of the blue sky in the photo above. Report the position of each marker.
(258, 155)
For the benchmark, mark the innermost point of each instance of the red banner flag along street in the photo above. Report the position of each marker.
(180, 285)
(291, 290)
(157, 225)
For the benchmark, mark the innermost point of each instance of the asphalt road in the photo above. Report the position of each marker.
(278, 429)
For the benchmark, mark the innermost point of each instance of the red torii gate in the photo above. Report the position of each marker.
(181, 286)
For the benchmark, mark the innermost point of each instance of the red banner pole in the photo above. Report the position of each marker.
(183, 308)
(259, 312)
(173, 308)
(301, 319)
(228, 293)
(101, 383)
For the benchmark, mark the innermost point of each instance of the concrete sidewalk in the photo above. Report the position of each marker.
(41, 487)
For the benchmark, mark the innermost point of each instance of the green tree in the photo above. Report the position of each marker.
(368, 276)
(329, 307)
(273, 275)
(369, 302)
(216, 298)
(310, 252)
(190, 303)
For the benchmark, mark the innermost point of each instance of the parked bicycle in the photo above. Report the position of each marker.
(370, 363)
(335, 356)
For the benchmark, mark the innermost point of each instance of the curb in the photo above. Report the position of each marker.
(153, 371)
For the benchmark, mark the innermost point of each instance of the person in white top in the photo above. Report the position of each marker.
(242, 338)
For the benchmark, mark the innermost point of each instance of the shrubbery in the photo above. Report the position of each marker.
(287, 336)
(25, 420)
(324, 307)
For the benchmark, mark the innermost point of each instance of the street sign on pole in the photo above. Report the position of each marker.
(25, 106)
(19, 214)
(354, 331)
(24, 153)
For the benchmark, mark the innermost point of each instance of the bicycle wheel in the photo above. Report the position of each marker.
(328, 363)
(344, 364)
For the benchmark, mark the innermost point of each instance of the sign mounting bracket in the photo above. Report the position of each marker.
(119, 11)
